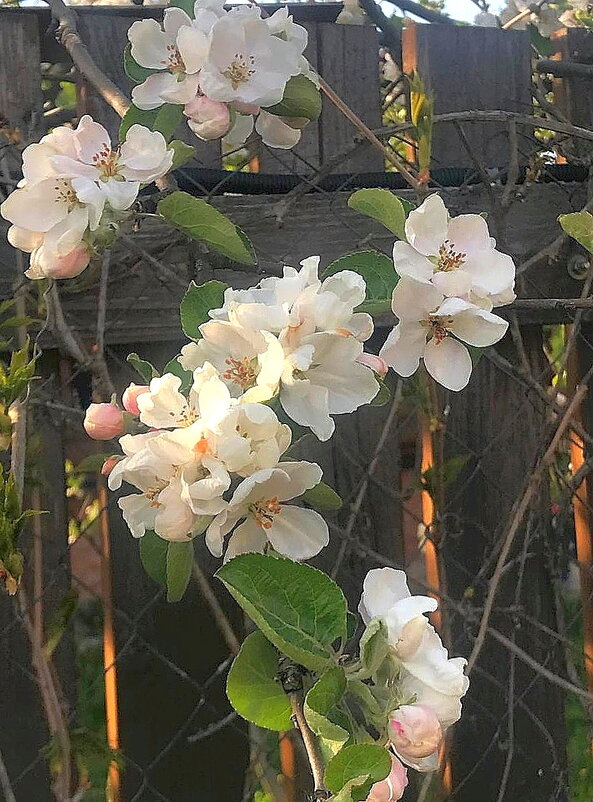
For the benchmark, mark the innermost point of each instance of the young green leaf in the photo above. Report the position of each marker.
(379, 274)
(144, 368)
(252, 687)
(354, 762)
(301, 99)
(319, 703)
(347, 793)
(164, 119)
(322, 497)
(196, 304)
(579, 226)
(299, 609)
(180, 558)
(182, 153)
(374, 646)
(132, 69)
(186, 5)
(174, 366)
(383, 396)
(153, 555)
(383, 206)
(203, 222)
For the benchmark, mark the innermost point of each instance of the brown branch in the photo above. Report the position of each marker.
(424, 13)
(220, 617)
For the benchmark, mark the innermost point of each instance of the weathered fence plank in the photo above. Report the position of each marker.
(20, 75)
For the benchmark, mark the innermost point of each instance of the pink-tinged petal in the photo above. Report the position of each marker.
(413, 300)
(448, 362)
(208, 119)
(23, 239)
(183, 91)
(403, 347)
(479, 328)
(149, 44)
(426, 226)
(91, 139)
(36, 207)
(193, 45)
(298, 533)
(88, 192)
(275, 133)
(408, 262)
(120, 194)
(454, 282)
(491, 271)
(415, 731)
(468, 234)
(392, 788)
(149, 95)
(73, 168)
(174, 19)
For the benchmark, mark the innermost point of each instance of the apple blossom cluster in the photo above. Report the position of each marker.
(224, 67)
(429, 686)
(76, 189)
(450, 278)
(296, 337)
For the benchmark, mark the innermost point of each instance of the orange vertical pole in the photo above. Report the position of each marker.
(431, 563)
(111, 707)
(287, 767)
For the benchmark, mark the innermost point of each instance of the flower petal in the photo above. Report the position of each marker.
(426, 227)
(298, 533)
(448, 362)
(409, 262)
(403, 347)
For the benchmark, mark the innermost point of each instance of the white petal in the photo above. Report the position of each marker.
(240, 132)
(413, 300)
(298, 533)
(307, 404)
(409, 262)
(382, 588)
(174, 19)
(479, 328)
(149, 94)
(90, 139)
(120, 194)
(247, 537)
(448, 362)
(468, 234)
(88, 192)
(36, 207)
(181, 92)
(276, 133)
(303, 476)
(403, 347)
(149, 44)
(138, 513)
(491, 271)
(426, 227)
(193, 45)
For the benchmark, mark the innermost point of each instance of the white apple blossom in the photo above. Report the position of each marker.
(435, 329)
(178, 50)
(457, 254)
(247, 62)
(256, 515)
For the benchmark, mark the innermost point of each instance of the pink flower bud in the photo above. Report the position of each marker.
(130, 396)
(104, 421)
(72, 264)
(208, 119)
(415, 731)
(392, 787)
(376, 363)
(110, 464)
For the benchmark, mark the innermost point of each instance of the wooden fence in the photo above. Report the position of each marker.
(166, 655)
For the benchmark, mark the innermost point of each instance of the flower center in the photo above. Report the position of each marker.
(186, 417)
(240, 371)
(65, 193)
(438, 326)
(107, 161)
(174, 62)
(449, 259)
(240, 70)
(202, 447)
(154, 490)
(264, 511)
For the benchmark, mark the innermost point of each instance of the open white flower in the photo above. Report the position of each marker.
(247, 62)
(178, 50)
(117, 173)
(426, 322)
(258, 503)
(456, 254)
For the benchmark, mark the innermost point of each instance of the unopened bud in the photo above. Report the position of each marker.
(104, 421)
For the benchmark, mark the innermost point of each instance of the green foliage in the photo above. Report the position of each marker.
(132, 69)
(59, 621)
(299, 609)
(15, 378)
(164, 119)
(320, 703)
(253, 688)
(422, 109)
(182, 153)
(12, 519)
(579, 226)
(185, 5)
(362, 765)
(378, 272)
(384, 207)
(384, 395)
(437, 477)
(174, 366)
(374, 646)
(144, 368)
(197, 303)
(301, 99)
(180, 559)
(153, 555)
(203, 222)
(322, 497)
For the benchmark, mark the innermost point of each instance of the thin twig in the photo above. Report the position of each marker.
(5, 783)
(102, 306)
(220, 617)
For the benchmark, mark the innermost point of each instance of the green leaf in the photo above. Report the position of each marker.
(203, 222)
(374, 647)
(379, 274)
(579, 226)
(132, 69)
(180, 559)
(322, 497)
(352, 763)
(144, 368)
(59, 621)
(384, 395)
(383, 206)
(319, 703)
(174, 366)
(301, 99)
(186, 5)
(299, 609)
(153, 555)
(253, 689)
(197, 303)
(164, 119)
(182, 153)
(347, 793)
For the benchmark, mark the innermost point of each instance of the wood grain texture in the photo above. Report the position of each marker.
(467, 68)
(575, 95)
(20, 74)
